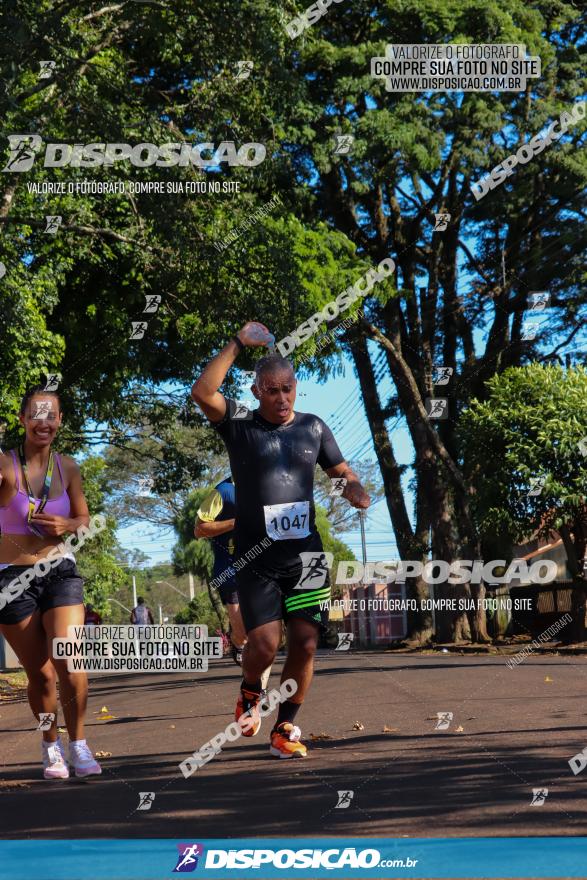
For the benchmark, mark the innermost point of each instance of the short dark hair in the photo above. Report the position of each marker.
(140, 600)
(32, 392)
(271, 364)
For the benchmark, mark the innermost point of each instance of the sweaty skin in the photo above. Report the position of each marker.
(275, 464)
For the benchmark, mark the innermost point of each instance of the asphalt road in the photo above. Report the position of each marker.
(512, 730)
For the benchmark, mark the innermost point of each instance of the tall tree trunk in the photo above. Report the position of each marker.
(410, 546)
(575, 550)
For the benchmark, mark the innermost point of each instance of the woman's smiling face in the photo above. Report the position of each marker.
(41, 419)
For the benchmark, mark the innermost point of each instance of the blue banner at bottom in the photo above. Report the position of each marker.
(287, 858)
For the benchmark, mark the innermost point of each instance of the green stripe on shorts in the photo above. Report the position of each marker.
(311, 597)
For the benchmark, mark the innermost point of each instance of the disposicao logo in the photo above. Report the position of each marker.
(25, 147)
(187, 860)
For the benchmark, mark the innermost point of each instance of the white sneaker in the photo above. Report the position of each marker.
(82, 759)
(54, 762)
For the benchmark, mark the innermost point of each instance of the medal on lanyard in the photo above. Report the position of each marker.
(44, 492)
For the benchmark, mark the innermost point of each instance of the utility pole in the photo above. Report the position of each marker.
(362, 515)
(134, 592)
(160, 614)
(191, 580)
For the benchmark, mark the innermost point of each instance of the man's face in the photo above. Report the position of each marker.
(276, 394)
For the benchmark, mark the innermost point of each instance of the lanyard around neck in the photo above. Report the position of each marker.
(44, 491)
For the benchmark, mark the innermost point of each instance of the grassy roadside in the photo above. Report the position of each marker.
(12, 686)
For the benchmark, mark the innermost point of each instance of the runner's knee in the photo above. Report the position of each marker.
(42, 678)
(304, 646)
(263, 647)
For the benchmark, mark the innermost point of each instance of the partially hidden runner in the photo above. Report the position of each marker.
(215, 521)
(41, 499)
(141, 614)
(273, 453)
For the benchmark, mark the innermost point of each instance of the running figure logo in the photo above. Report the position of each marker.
(315, 565)
(344, 799)
(52, 223)
(539, 795)
(47, 68)
(444, 719)
(536, 486)
(152, 303)
(249, 378)
(343, 144)
(46, 719)
(338, 484)
(441, 375)
(146, 800)
(529, 330)
(145, 486)
(42, 409)
(138, 329)
(53, 380)
(436, 408)
(441, 222)
(344, 641)
(538, 301)
(187, 861)
(23, 151)
(241, 411)
(244, 69)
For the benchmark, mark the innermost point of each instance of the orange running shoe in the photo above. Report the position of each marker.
(249, 722)
(285, 742)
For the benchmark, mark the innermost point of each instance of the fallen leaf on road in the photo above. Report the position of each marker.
(172, 726)
(460, 729)
(106, 717)
(548, 678)
(7, 784)
(103, 754)
(318, 736)
(103, 709)
(387, 729)
(358, 726)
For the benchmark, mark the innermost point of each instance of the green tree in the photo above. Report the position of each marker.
(201, 610)
(458, 298)
(97, 559)
(531, 434)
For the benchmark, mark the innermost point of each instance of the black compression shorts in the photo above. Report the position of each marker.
(62, 585)
(265, 595)
(227, 592)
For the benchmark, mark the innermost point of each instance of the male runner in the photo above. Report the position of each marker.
(273, 456)
(141, 613)
(216, 516)
(216, 522)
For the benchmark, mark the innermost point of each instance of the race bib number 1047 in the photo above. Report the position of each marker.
(286, 521)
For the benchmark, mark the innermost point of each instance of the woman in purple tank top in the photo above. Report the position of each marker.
(41, 500)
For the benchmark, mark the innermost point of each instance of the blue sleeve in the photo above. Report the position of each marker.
(225, 490)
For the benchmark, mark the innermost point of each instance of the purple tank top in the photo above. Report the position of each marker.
(14, 515)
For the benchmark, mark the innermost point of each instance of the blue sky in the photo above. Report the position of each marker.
(338, 401)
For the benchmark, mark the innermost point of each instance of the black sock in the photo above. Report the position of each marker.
(251, 693)
(287, 712)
